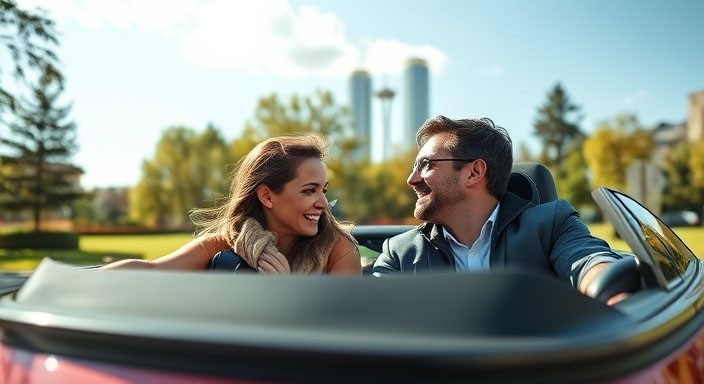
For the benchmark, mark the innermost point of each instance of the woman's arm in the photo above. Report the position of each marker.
(344, 258)
(194, 255)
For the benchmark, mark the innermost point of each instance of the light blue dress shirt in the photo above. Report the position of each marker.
(476, 257)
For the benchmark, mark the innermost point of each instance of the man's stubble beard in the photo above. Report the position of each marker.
(432, 211)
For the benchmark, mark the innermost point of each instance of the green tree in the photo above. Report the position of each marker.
(188, 170)
(383, 195)
(572, 180)
(557, 126)
(696, 165)
(679, 192)
(147, 201)
(40, 141)
(27, 39)
(212, 161)
(683, 169)
(240, 146)
(613, 147)
(318, 113)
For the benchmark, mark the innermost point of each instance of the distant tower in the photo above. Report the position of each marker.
(416, 100)
(386, 95)
(695, 118)
(361, 103)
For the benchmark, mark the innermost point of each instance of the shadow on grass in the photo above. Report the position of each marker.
(28, 259)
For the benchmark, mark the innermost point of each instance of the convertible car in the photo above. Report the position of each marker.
(64, 324)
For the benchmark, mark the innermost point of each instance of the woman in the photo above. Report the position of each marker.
(276, 218)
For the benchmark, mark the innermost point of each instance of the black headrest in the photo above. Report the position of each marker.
(532, 181)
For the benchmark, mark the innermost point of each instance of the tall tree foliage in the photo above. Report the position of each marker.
(187, 171)
(684, 171)
(615, 145)
(383, 196)
(557, 126)
(27, 40)
(572, 181)
(318, 113)
(41, 140)
(148, 201)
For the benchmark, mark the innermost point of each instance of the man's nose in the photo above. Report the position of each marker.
(413, 178)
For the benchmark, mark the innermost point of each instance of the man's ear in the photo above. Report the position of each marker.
(264, 196)
(475, 171)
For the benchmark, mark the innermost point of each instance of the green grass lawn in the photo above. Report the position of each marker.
(96, 249)
(146, 247)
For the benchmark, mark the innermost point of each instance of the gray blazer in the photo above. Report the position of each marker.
(548, 238)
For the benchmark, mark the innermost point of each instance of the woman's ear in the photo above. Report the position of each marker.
(264, 196)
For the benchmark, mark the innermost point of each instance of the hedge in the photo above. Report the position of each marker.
(39, 240)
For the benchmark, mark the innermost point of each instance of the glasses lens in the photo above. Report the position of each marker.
(421, 166)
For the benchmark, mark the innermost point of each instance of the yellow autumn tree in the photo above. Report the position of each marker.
(615, 145)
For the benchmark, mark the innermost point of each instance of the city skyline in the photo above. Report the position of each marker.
(414, 103)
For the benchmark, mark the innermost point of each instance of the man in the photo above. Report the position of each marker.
(472, 223)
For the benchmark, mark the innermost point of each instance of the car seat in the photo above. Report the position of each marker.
(532, 181)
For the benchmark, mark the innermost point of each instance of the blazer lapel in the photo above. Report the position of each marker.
(438, 255)
(511, 206)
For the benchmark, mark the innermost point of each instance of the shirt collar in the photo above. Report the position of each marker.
(487, 228)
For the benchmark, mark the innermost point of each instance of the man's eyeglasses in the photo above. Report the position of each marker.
(423, 165)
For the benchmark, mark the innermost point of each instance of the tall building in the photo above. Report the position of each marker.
(416, 106)
(386, 96)
(695, 118)
(361, 103)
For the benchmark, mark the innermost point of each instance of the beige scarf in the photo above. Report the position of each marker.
(257, 247)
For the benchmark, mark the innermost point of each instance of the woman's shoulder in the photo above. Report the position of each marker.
(344, 248)
(343, 245)
(212, 243)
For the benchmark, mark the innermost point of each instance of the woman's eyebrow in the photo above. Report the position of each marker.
(314, 184)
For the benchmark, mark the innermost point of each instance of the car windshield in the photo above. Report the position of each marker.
(671, 254)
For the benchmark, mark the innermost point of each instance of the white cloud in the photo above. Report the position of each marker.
(390, 56)
(269, 36)
(263, 36)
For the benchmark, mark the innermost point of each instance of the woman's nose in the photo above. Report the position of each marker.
(322, 202)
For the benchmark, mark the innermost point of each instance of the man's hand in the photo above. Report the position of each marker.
(589, 277)
(624, 278)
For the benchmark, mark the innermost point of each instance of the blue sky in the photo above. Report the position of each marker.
(135, 68)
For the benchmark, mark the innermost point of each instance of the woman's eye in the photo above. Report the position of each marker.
(325, 191)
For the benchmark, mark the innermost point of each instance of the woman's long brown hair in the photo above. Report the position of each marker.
(274, 162)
